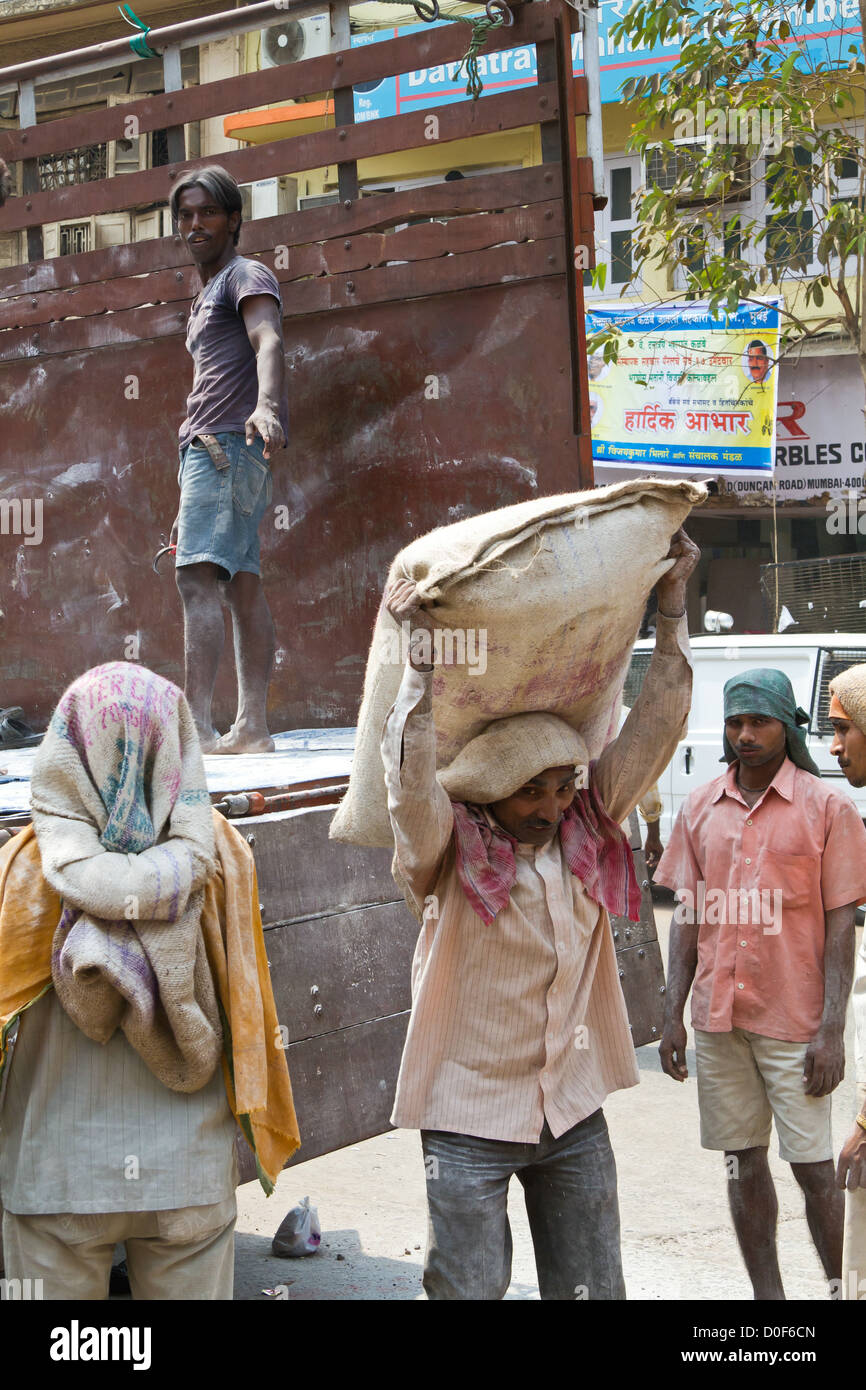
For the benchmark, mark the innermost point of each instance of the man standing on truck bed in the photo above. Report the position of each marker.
(235, 339)
(769, 864)
(519, 1028)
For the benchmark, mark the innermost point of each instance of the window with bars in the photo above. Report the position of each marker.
(634, 680)
(614, 225)
(790, 241)
(81, 165)
(75, 237)
(665, 167)
(833, 663)
(849, 189)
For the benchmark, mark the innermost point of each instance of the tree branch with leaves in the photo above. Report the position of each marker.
(768, 194)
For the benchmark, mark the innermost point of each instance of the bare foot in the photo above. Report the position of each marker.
(209, 742)
(241, 741)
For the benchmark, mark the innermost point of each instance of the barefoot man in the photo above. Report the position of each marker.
(237, 417)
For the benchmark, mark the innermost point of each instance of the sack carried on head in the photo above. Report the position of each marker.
(537, 607)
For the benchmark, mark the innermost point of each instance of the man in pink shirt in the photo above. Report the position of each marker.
(768, 863)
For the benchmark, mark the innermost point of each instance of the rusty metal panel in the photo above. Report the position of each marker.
(638, 955)
(303, 874)
(481, 193)
(565, 17)
(338, 972)
(419, 278)
(344, 1087)
(374, 460)
(307, 78)
(586, 215)
(643, 984)
(400, 283)
(506, 111)
(428, 241)
(112, 296)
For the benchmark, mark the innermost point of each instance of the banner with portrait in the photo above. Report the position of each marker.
(689, 391)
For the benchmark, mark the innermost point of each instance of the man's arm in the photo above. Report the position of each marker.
(647, 741)
(421, 817)
(651, 807)
(261, 316)
(682, 964)
(825, 1057)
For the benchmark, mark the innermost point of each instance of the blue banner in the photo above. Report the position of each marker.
(824, 35)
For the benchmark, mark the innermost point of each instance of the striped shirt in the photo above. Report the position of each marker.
(87, 1128)
(523, 1020)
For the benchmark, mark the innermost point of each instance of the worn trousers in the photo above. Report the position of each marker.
(569, 1185)
(186, 1253)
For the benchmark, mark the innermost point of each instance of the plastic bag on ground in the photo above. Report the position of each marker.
(299, 1233)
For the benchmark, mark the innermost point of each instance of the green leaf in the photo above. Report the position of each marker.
(787, 67)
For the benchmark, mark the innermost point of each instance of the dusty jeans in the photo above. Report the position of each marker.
(571, 1202)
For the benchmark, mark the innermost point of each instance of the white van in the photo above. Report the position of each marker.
(809, 660)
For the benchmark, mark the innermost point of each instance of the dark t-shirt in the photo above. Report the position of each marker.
(225, 384)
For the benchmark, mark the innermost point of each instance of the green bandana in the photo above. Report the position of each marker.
(769, 692)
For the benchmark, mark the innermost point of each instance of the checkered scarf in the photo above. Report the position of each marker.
(596, 851)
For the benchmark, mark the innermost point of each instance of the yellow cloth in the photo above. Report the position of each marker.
(257, 1075)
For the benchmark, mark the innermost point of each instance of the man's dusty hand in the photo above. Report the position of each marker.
(266, 422)
(851, 1168)
(671, 588)
(403, 601)
(824, 1067)
(653, 849)
(673, 1051)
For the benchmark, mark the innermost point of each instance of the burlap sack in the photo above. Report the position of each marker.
(538, 607)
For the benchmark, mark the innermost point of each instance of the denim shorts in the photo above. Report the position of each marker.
(221, 509)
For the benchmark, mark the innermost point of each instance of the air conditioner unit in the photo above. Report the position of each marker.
(274, 197)
(663, 167)
(295, 40)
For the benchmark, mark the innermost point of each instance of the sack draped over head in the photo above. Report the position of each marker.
(125, 832)
(768, 692)
(493, 766)
(508, 753)
(848, 689)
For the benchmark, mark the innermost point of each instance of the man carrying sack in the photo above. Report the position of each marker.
(132, 960)
(512, 858)
(848, 716)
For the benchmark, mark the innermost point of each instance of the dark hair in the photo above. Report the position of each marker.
(215, 181)
(756, 342)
